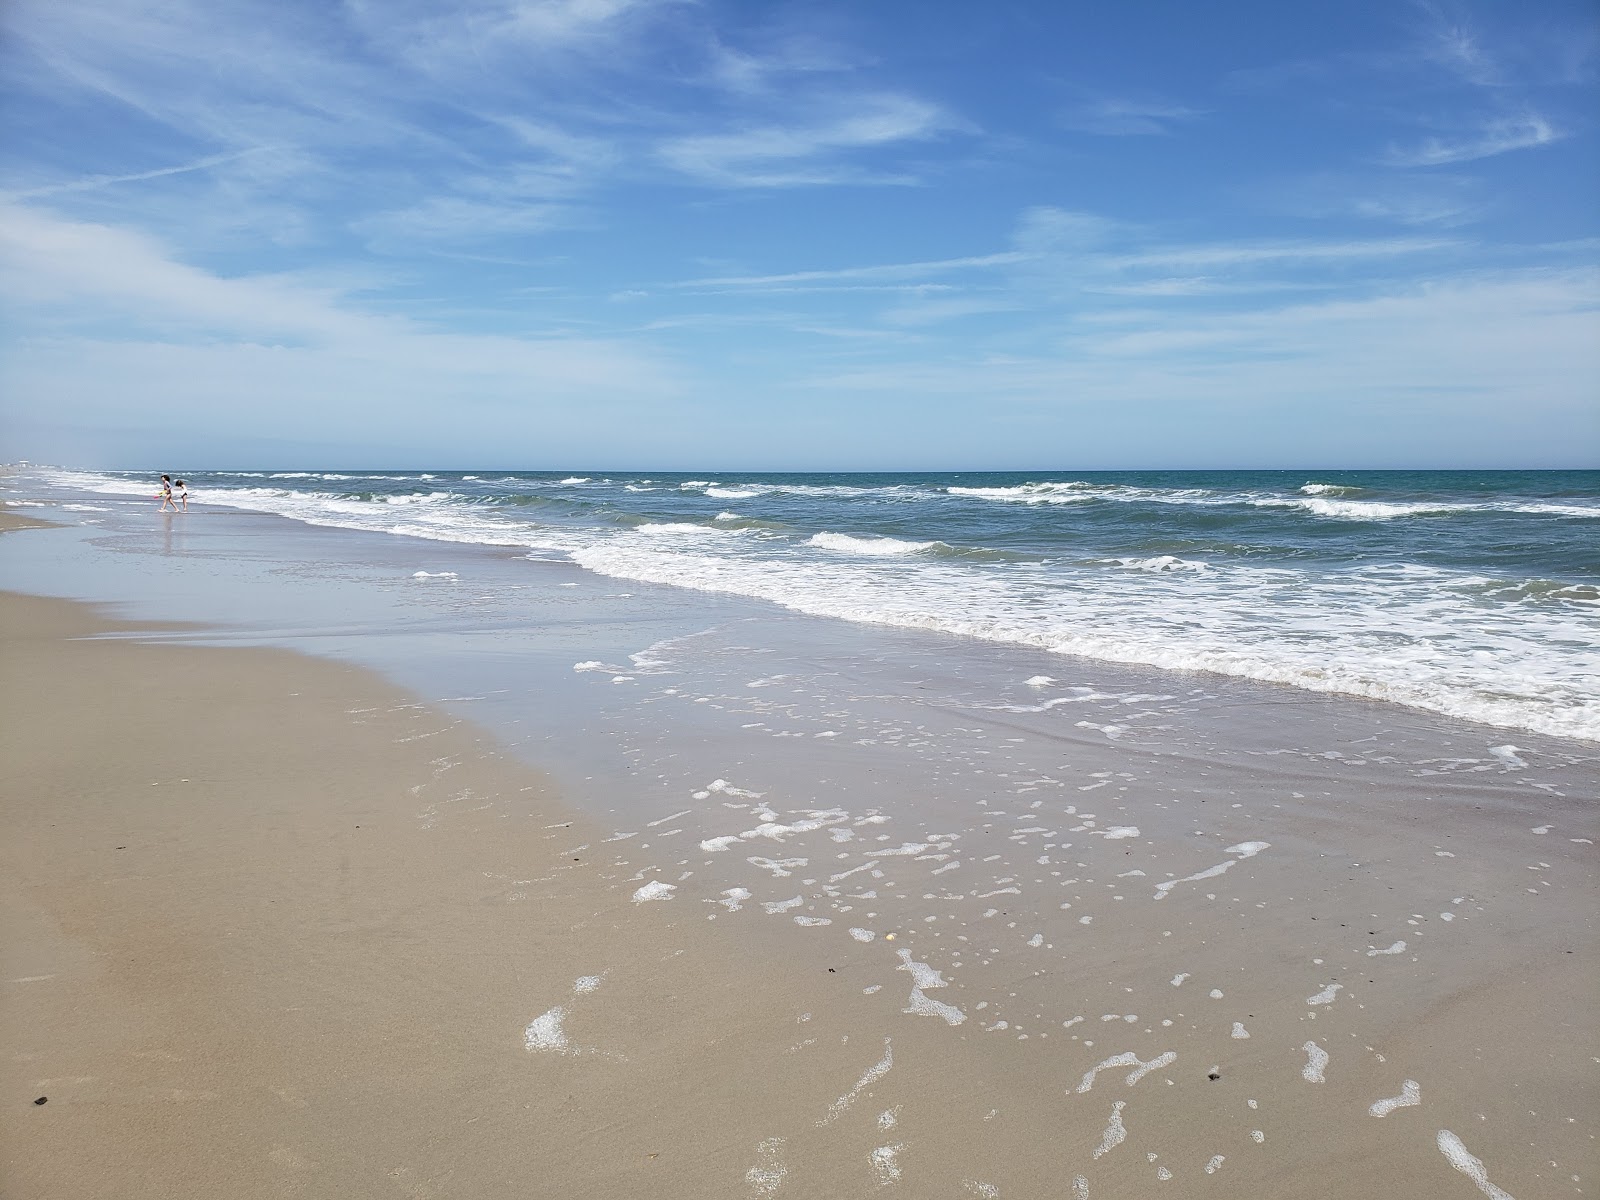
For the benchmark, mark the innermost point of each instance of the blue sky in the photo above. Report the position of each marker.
(679, 234)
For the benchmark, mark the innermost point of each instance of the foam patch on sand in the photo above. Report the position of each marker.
(1510, 756)
(1126, 1059)
(1316, 1063)
(1115, 1133)
(924, 977)
(1244, 850)
(766, 1177)
(654, 890)
(885, 1163)
(1472, 1167)
(869, 1077)
(1410, 1093)
(544, 1032)
(770, 827)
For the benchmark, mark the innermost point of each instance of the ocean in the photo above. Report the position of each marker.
(1473, 594)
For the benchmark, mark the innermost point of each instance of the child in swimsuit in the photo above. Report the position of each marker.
(166, 494)
(183, 495)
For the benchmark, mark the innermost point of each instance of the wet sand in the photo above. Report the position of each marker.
(275, 928)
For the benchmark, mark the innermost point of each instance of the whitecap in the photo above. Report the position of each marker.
(880, 547)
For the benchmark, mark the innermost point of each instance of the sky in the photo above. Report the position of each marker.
(740, 234)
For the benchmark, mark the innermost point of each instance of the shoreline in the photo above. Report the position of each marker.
(725, 1038)
(1313, 589)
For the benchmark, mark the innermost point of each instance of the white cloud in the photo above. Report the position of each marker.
(810, 153)
(755, 72)
(93, 183)
(461, 219)
(1045, 230)
(1119, 117)
(1252, 254)
(1435, 198)
(256, 351)
(875, 271)
(1475, 368)
(1460, 50)
(234, 73)
(1496, 137)
(472, 37)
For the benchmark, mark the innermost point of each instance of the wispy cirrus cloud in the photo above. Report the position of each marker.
(1256, 254)
(776, 57)
(471, 39)
(1499, 136)
(1347, 378)
(1459, 49)
(813, 152)
(876, 271)
(1064, 262)
(92, 183)
(267, 353)
(1120, 117)
(1436, 199)
(461, 219)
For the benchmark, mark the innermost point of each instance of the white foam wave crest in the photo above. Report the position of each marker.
(1162, 562)
(682, 527)
(878, 547)
(1080, 491)
(430, 516)
(424, 498)
(1587, 511)
(1032, 493)
(1359, 510)
(746, 491)
(1388, 510)
(105, 485)
(1318, 499)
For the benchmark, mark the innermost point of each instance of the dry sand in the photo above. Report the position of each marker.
(274, 929)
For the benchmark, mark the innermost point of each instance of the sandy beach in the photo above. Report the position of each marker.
(275, 927)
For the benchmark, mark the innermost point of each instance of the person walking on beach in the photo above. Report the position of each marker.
(183, 495)
(166, 494)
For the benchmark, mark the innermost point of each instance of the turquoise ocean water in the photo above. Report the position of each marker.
(1472, 594)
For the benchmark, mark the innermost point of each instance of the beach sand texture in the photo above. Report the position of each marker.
(273, 928)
